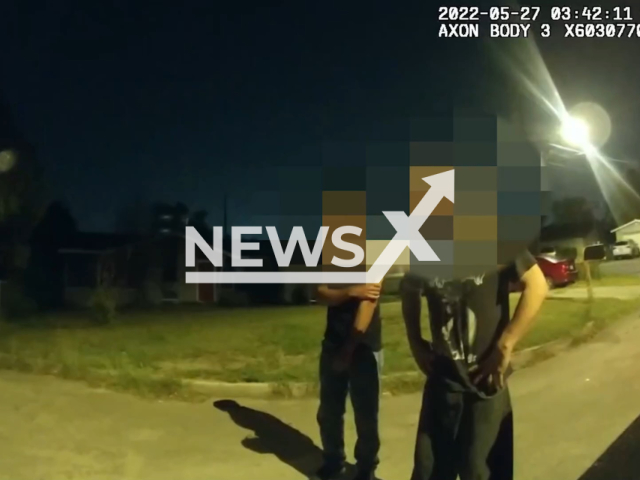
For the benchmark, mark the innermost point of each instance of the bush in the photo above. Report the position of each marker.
(234, 298)
(389, 298)
(14, 303)
(570, 253)
(391, 285)
(301, 295)
(103, 306)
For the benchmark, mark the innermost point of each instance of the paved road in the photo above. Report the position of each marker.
(621, 267)
(624, 451)
(569, 410)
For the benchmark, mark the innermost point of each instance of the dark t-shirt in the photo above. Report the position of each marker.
(340, 320)
(466, 318)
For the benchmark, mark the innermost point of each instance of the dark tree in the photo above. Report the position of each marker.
(134, 217)
(626, 207)
(572, 210)
(21, 197)
(168, 218)
(606, 223)
(622, 194)
(56, 225)
(199, 221)
(45, 270)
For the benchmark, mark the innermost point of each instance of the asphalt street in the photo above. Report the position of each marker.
(570, 415)
(621, 267)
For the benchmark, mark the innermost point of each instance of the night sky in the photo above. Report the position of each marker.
(181, 103)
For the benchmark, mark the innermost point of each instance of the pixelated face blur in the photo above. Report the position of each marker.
(496, 215)
(496, 212)
(499, 202)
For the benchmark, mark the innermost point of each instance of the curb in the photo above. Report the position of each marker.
(391, 384)
(225, 389)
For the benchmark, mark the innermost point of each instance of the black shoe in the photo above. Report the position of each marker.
(329, 471)
(365, 474)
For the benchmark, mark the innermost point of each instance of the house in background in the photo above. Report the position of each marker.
(568, 240)
(138, 269)
(278, 294)
(628, 231)
(82, 258)
(151, 270)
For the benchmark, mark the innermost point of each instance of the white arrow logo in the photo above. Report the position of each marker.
(407, 227)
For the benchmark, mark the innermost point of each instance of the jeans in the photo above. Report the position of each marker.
(462, 434)
(362, 382)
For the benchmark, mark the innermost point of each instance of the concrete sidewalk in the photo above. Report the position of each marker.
(568, 411)
(623, 292)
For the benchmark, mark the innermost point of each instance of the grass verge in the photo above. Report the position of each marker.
(149, 353)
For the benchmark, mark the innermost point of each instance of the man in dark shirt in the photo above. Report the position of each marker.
(465, 427)
(350, 363)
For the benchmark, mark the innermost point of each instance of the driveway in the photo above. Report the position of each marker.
(621, 267)
(568, 410)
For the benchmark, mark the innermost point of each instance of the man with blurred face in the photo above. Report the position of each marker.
(465, 425)
(350, 364)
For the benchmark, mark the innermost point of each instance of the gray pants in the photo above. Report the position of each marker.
(461, 434)
(362, 382)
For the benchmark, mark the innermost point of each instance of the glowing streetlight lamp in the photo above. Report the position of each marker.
(586, 127)
(582, 131)
(576, 133)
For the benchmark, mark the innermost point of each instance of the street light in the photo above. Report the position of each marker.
(586, 127)
(573, 138)
(576, 133)
(581, 132)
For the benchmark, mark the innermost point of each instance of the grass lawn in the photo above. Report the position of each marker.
(149, 352)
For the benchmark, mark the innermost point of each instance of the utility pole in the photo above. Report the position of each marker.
(587, 269)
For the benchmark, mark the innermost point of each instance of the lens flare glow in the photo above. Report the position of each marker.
(575, 132)
(523, 61)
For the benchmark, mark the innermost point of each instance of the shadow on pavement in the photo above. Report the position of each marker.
(621, 460)
(272, 436)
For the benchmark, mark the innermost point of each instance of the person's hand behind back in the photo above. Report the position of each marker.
(423, 355)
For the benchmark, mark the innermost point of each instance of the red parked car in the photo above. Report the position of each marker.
(559, 272)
